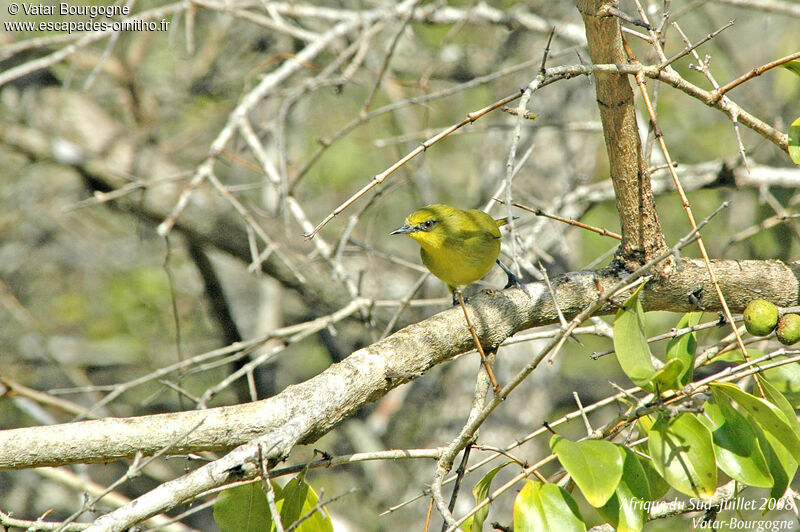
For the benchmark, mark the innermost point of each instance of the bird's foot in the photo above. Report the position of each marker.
(512, 279)
(455, 299)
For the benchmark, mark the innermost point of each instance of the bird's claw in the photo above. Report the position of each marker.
(512, 279)
(455, 299)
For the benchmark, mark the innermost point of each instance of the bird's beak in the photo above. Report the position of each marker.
(403, 230)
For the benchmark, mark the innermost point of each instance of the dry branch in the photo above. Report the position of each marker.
(304, 412)
(641, 231)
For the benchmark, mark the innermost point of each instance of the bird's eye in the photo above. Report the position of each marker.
(427, 224)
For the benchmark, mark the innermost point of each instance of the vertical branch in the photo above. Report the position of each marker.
(641, 231)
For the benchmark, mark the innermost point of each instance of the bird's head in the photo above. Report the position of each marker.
(426, 225)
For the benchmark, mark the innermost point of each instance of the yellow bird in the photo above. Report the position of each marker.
(457, 246)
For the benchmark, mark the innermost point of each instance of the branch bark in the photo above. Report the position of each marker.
(304, 412)
(641, 231)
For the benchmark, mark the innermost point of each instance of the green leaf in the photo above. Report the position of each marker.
(243, 509)
(630, 343)
(669, 377)
(786, 379)
(794, 141)
(595, 465)
(658, 486)
(481, 492)
(785, 462)
(645, 423)
(682, 453)
(781, 465)
(792, 66)
(625, 510)
(735, 443)
(636, 477)
(776, 398)
(736, 357)
(544, 508)
(684, 348)
(769, 416)
(298, 499)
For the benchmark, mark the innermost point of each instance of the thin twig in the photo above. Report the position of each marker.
(404, 303)
(726, 375)
(462, 467)
(428, 516)
(477, 341)
(552, 292)
(627, 18)
(719, 93)
(703, 66)
(459, 443)
(539, 212)
(512, 151)
(133, 471)
(690, 48)
(256, 95)
(416, 100)
(269, 491)
(389, 52)
(7, 520)
(379, 178)
(589, 431)
(555, 344)
(318, 508)
(685, 201)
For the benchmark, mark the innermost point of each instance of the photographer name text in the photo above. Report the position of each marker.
(65, 9)
(94, 18)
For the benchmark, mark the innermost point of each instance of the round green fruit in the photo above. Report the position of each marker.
(788, 329)
(760, 317)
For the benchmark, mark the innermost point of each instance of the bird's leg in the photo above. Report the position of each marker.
(512, 279)
(484, 360)
(453, 290)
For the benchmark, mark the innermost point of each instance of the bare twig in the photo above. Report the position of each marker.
(703, 67)
(477, 341)
(269, 491)
(685, 202)
(690, 48)
(389, 52)
(462, 467)
(133, 471)
(720, 92)
(539, 212)
(321, 504)
(379, 178)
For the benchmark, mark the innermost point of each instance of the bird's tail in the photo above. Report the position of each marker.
(502, 221)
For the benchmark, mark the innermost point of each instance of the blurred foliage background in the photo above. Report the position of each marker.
(91, 297)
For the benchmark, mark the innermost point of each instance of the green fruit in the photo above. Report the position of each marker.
(760, 317)
(789, 329)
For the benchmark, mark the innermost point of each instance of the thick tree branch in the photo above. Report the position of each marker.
(641, 232)
(304, 412)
